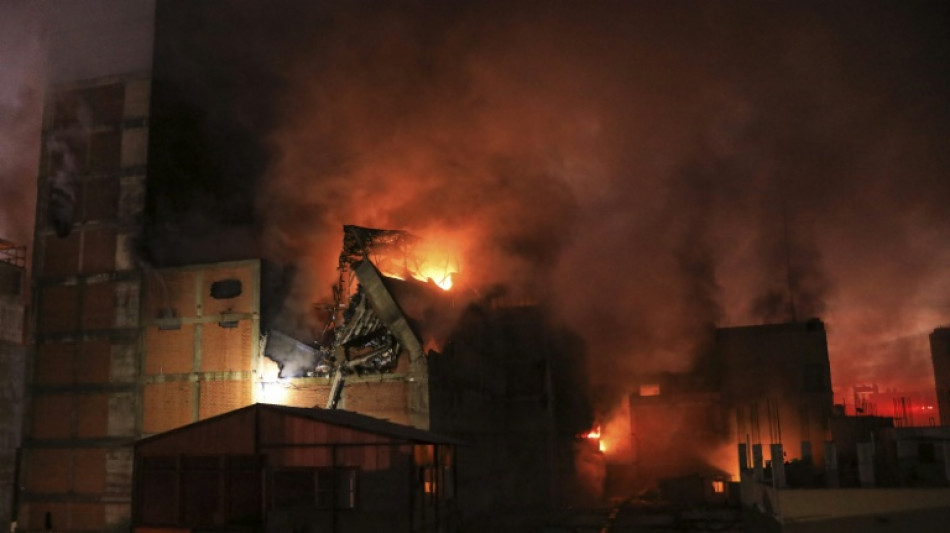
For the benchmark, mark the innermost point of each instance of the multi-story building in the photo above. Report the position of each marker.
(12, 364)
(142, 323)
(766, 384)
(940, 354)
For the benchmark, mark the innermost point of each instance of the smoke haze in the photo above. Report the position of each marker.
(646, 169)
(22, 78)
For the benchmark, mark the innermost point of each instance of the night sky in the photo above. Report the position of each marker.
(645, 168)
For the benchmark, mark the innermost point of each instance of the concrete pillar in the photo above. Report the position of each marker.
(866, 463)
(831, 464)
(806, 452)
(946, 460)
(743, 457)
(757, 462)
(906, 458)
(778, 465)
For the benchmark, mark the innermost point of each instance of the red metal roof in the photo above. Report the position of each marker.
(336, 417)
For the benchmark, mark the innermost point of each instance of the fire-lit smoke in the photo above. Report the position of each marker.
(22, 78)
(649, 170)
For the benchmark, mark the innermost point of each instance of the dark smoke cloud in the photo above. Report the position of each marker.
(22, 77)
(646, 169)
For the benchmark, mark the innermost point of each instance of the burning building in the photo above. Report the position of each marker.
(205, 136)
(940, 355)
(125, 347)
(757, 385)
(492, 373)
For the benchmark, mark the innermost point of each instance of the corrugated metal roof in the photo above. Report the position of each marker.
(364, 423)
(336, 417)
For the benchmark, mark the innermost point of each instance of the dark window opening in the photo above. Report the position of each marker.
(226, 288)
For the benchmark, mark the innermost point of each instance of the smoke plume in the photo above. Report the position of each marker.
(22, 77)
(645, 169)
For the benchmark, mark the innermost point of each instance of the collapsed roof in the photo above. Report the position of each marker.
(369, 329)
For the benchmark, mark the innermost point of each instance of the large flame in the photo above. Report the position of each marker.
(434, 259)
(594, 435)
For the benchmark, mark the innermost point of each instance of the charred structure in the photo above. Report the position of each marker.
(940, 356)
(498, 377)
(758, 385)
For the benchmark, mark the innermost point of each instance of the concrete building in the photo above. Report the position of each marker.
(12, 366)
(876, 477)
(940, 354)
(766, 385)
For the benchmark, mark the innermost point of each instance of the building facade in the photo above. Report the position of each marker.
(940, 355)
(12, 366)
(762, 385)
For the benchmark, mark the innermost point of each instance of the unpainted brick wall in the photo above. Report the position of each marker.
(61, 255)
(169, 351)
(380, 399)
(166, 406)
(92, 415)
(59, 309)
(54, 363)
(166, 290)
(52, 416)
(226, 348)
(98, 306)
(98, 250)
(48, 470)
(219, 397)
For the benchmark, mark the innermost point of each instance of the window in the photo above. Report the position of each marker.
(225, 289)
(718, 486)
(650, 389)
(430, 481)
(435, 472)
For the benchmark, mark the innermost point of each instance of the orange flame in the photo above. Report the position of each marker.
(594, 435)
(432, 260)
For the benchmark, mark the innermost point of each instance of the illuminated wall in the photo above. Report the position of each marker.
(83, 366)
